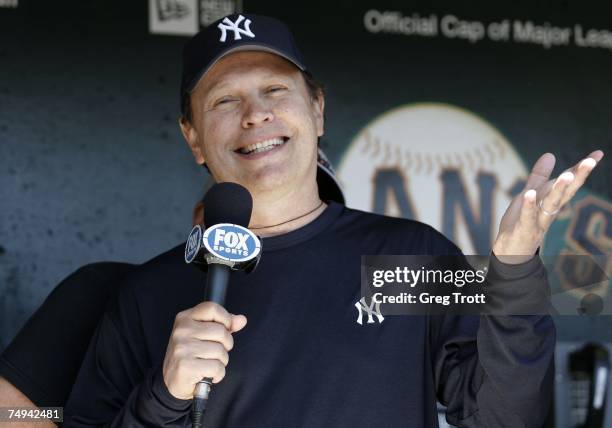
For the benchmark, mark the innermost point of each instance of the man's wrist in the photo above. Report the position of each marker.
(514, 266)
(512, 260)
(160, 390)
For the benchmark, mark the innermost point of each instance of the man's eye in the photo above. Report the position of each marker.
(222, 101)
(274, 89)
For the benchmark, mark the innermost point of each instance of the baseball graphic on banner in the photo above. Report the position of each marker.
(436, 163)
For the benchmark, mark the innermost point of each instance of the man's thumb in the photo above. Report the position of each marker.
(238, 323)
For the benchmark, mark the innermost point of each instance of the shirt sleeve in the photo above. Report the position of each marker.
(116, 386)
(497, 371)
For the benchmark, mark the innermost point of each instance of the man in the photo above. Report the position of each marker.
(253, 114)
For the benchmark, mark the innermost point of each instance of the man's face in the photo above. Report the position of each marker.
(254, 123)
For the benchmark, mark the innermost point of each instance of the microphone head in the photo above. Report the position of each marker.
(227, 203)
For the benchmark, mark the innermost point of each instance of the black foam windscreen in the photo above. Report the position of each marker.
(227, 203)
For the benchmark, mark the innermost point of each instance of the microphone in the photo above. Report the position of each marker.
(228, 203)
(225, 245)
(224, 203)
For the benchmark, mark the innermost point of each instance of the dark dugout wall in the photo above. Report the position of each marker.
(435, 111)
(93, 163)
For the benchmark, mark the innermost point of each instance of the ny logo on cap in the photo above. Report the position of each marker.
(226, 24)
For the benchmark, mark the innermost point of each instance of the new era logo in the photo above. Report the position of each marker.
(172, 9)
(370, 310)
(10, 4)
(227, 25)
(178, 17)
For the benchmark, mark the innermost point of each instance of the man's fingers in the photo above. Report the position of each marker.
(556, 193)
(210, 311)
(529, 209)
(541, 171)
(209, 351)
(597, 155)
(581, 171)
(199, 346)
(210, 368)
(209, 330)
(238, 323)
(553, 200)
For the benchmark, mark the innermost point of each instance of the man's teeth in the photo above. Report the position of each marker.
(262, 146)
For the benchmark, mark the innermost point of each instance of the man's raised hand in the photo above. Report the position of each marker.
(531, 212)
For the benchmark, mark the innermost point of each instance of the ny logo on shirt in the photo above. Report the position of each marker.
(228, 25)
(362, 306)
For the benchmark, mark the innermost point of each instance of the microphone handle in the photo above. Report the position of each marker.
(216, 283)
(217, 278)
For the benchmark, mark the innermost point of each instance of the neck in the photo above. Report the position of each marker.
(270, 209)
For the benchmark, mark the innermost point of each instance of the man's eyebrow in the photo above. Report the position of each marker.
(276, 76)
(222, 83)
(217, 86)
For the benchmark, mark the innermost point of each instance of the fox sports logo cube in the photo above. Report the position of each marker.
(194, 243)
(231, 242)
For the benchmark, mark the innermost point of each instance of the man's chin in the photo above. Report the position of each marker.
(267, 181)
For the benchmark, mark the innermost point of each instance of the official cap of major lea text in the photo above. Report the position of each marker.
(238, 32)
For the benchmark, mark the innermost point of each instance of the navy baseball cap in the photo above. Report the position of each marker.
(238, 32)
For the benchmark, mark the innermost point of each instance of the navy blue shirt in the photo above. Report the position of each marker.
(303, 360)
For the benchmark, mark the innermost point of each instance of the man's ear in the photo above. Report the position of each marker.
(319, 106)
(198, 213)
(191, 137)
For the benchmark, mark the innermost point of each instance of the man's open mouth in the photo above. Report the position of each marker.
(263, 146)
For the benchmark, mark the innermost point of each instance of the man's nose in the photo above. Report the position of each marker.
(257, 111)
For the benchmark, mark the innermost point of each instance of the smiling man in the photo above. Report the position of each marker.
(255, 122)
(252, 113)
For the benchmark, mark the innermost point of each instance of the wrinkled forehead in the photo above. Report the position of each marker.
(245, 66)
